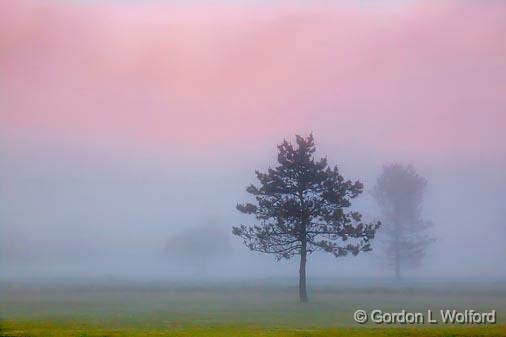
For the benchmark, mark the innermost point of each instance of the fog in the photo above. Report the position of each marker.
(77, 216)
(128, 133)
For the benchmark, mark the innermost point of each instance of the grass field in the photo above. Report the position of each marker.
(233, 310)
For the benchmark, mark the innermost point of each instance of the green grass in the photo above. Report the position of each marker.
(56, 330)
(113, 310)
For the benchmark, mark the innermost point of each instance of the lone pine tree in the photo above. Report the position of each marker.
(399, 192)
(302, 207)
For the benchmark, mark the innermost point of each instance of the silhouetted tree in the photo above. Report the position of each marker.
(399, 192)
(301, 206)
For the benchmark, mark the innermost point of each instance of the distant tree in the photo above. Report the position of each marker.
(399, 192)
(199, 245)
(301, 206)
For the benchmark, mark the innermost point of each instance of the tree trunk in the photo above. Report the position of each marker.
(302, 274)
(397, 267)
(397, 262)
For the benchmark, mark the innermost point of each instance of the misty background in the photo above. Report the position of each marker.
(129, 132)
(75, 215)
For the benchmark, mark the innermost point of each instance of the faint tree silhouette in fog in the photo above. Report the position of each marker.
(399, 192)
(302, 207)
(197, 245)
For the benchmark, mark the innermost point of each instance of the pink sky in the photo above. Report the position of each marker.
(428, 78)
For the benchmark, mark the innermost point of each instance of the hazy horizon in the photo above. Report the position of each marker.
(128, 127)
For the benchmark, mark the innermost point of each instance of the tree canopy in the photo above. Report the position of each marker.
(303, 206)
(399, 192)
